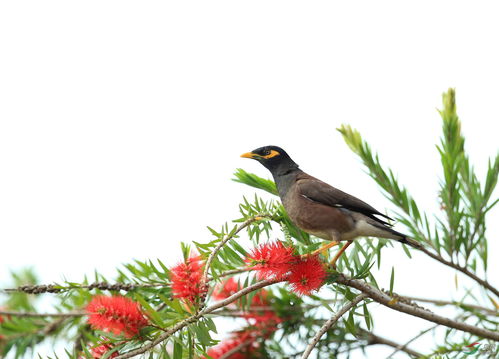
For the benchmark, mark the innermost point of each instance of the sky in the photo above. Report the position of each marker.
(122, 122)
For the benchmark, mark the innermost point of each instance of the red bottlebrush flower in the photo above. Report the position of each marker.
(116, 314)
(267, 316)
(240, 346)
(260, 299)
(225, 347)
(2, 319)
(263, 324)
(307, 275)
(98, 352)
(271, 260)
(226, 289)
(186, 279)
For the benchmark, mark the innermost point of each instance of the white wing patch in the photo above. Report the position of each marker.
(336, 205)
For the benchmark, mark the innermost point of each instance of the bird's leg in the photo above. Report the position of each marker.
(340, 252)
(322, 249)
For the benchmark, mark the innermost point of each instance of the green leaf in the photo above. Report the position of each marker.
(211, 325)
(367, 317)
(177, 350)
(392, 280)
(253, 180)
(202, 334)
(156, 318)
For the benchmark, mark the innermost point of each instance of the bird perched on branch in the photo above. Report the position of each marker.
(320, 209)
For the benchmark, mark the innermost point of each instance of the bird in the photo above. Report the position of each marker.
(321, 209)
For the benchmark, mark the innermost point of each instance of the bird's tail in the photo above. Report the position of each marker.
(411, 242)
(402, 238)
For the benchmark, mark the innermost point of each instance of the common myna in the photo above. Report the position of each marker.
(320, 209)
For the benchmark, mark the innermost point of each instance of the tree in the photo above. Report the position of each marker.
(271, 286)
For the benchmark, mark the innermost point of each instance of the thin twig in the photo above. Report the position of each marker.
(461, 269)
(53, 326)
(182, 324)
(374, 339)
(55, 288)
(232, 272)
(330, 323)
(227, 238)
(440, 302)
(402, 347)
(42, 315)
(48, 329)
(388, 301)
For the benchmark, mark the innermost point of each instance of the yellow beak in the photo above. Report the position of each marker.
(248, 155)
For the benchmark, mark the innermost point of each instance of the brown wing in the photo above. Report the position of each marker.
(321, 192)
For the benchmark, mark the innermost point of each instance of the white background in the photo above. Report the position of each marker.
(122, 122)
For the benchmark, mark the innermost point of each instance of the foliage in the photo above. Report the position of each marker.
(217, 279)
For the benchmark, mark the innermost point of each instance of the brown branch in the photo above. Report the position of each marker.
(401, 347)
(55, 288)
(46, 330)
(373, 339)
(182, 324)
(231, 272)
(440, 302)
(41, 315)
(388, 301)
(53, 326)
(461, 269)
(328, 324)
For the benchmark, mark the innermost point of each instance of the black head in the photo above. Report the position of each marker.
(273, 158)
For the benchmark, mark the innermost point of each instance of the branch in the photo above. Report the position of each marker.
(455, 303)
(232, 272)
(330, 323)
(227, 238)
(48, 329)
(41, 315)
(463, 270)
(194, 318)
(373, 339)
(387, 301)
(55, 288)
(403, 347)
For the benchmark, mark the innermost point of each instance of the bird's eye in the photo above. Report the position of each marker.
(266, 152)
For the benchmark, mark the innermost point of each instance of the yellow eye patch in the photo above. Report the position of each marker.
(272, 153)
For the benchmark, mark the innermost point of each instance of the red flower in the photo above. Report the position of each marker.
(263, 324)
(102, 349)
(307, 275)
(240, 345)
(225, 347)
(226, 289)
(116, 314)
(2, 319)
(186, 279)
(260, 299)
(271, 260)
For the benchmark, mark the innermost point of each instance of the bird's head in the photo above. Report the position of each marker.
(273, 158)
